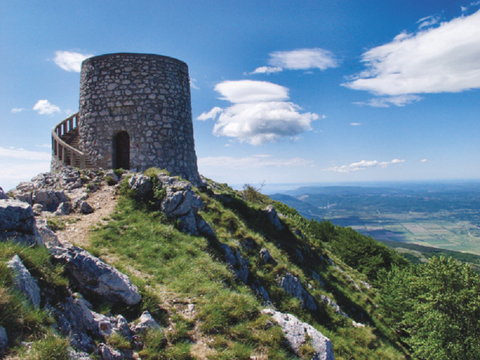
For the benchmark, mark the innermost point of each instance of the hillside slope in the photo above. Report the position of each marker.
(207, 263)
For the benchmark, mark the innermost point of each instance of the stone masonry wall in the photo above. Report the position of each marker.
(148, 96)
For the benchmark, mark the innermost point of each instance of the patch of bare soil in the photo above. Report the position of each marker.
(76, 232)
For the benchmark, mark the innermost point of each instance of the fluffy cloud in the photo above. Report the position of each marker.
(45, 108)
(400, 100)
(424, 160)
(300, 59)
(362, 165)
(17, 110)
(259, 113)
(433, 60)
(249, 91)
(70, 61)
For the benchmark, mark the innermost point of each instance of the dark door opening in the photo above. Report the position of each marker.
(121, 151)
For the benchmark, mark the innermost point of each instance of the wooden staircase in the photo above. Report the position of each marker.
(65, 144)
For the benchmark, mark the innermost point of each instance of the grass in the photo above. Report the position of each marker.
(179, 268)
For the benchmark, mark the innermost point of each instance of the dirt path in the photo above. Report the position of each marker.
(76, 232)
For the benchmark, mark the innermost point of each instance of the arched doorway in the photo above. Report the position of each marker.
(121, 151)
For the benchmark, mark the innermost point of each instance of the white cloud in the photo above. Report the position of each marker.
(259, 113)
(428, 21)
(251, 162)
(249, 91)
(424, 160)
(17, 110)
(193, 85)
(355, 124)
(212, 114)
(433, 60)
(266, 70)
(364, 164)
(69, 60)
(258, 123)
(45, 108)
(303, 59)
(385, 102)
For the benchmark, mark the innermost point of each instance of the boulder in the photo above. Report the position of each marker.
(107, 353)
(78, 355)
(50, 199)
(17, 223)
(295, 332)
(266, 257)
(145, 322)
(142, 184)
(3, 196)
(24, 282)
(84, 207)
(317, 277)
(260, 290)
(273, 217)
(48, 236)
(95, 277)
(293, 286)
(3, 339)
(63, 209)
(236, 262)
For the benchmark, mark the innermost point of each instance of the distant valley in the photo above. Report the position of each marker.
(440, 215)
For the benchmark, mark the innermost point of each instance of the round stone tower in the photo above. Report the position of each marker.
(135, 113)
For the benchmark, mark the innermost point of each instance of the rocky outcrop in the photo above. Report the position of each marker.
(296, 333)
(146, 322)
(293, 286)
(3, 339)
(24, 282)
(236, 262)
(17, 223)
(179, 201)
(317, 277)
(3, 196)
(273, 217)
(94, 277)
(142, 184)
(47, 235)
(107, 353)
(266, 257)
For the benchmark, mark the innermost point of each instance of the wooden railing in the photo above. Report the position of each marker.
(62, 151)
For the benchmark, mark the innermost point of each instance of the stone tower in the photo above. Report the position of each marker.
(135, 113)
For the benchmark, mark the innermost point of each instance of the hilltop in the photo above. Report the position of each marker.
(186, 272)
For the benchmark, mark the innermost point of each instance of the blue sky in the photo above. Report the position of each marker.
(282, 91)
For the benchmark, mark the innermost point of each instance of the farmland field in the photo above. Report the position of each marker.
(444, 216)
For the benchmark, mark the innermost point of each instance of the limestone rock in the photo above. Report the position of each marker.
(3, 339)
(260, 290)
(92, 275)
(107, 353)
(266, 257)
(142, 184)
(295, 332)
(48, 236)
(334, 305)
(317, 277)
(146, 321)
(17, 223)
(78, 355)
(84, 208)
(24, 282)
(63, 209)
(3, 196)
(49, 199)
(293, 286)
(236, 262)
(273, 216)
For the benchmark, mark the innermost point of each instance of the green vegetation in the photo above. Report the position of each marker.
(429, 311)
(435, 307)
(21, 321)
